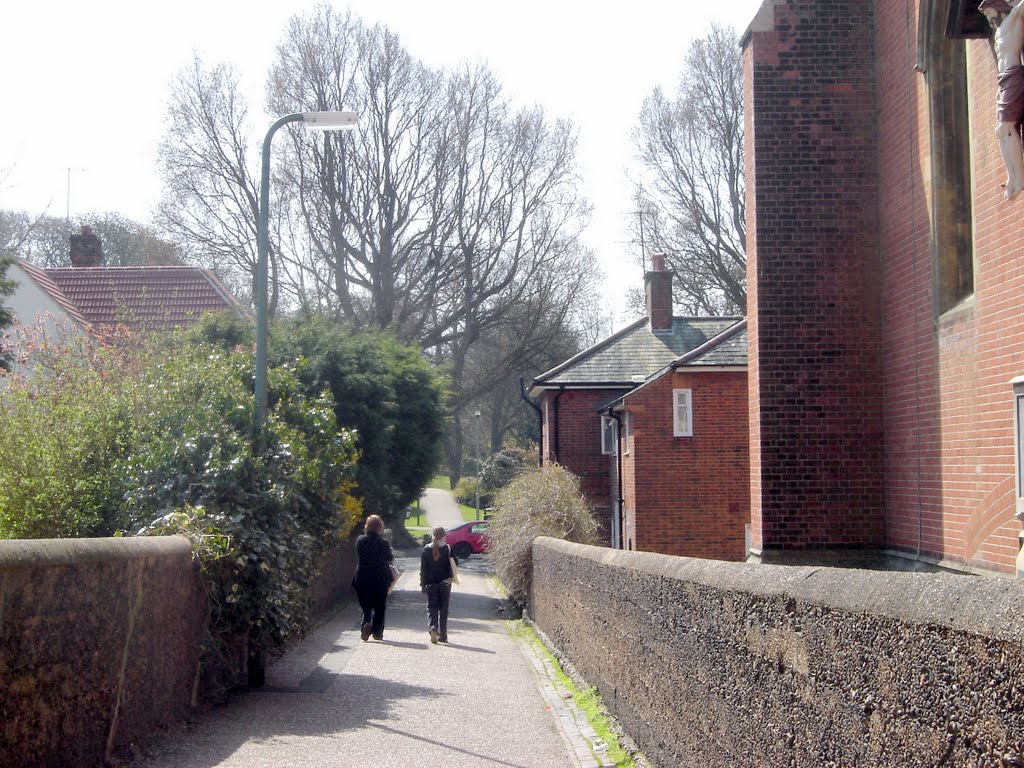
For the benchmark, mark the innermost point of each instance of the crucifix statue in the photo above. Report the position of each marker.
(1007, 20)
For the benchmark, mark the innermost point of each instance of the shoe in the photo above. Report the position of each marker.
(364, 632)
(433, 636)
(379, 636)
(443, 639)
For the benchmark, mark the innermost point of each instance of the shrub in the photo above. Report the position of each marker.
(541, 502)
(465, 491)
(61, 431)
(278, 505)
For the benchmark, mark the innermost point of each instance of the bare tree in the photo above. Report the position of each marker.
(448, 217)
(211, 195)
(691, 195)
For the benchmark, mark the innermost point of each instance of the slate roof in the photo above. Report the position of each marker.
(145, 298)
(726, 350)
(630, 356)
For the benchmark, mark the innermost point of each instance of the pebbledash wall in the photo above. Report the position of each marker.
(100, 642)
(99, 645)
(734, 664)
(880, 399)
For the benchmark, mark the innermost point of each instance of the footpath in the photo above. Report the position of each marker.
(485, 699)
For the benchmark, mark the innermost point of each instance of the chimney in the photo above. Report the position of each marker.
(86, 249)
(658, 290)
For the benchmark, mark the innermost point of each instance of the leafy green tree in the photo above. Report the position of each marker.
(382, 389)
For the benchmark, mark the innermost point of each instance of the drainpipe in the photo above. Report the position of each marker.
(540, 421)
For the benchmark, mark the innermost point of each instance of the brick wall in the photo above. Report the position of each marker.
(579, 443)
(735, 665)
(689, 496)
(816, 423)
(948, 408)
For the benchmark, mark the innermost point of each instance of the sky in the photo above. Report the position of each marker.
(85, 86)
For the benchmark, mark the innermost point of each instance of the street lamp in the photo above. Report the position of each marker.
(479, 471)
(320, 121)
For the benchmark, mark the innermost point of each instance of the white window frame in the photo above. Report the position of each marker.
(682, 412)
(1018, 441)
(609, 436)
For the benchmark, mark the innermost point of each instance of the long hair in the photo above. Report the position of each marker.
(374, 524)
(439, 533)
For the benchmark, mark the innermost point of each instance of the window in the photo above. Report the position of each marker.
(1018, 440)
(627, 429)
(609, 436)
(682, 413)
(943, 61)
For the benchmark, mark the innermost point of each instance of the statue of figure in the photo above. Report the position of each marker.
(1007, 20)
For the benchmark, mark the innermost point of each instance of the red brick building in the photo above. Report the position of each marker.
(886, 276)
(683, 454)
(583, 402)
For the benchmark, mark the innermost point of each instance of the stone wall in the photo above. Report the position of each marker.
(99, 645)
(729, 664)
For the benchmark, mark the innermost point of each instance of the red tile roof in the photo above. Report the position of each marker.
(146, 298)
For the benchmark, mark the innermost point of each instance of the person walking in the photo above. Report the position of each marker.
(436, 583)
(373, 577)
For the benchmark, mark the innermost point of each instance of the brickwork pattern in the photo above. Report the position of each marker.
(950, 484)
(579, 445)
(815, 354)
(689, 496)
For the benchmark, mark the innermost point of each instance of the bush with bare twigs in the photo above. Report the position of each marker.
(543, 502)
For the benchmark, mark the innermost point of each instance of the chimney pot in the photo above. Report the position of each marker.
(657, 262)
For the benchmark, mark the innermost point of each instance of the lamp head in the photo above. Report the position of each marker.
(330, 121)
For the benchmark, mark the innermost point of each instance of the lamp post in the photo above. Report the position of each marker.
(322, 121)
(479, 471)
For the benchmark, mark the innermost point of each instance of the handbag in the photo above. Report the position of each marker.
(395, 573)
(455, 570)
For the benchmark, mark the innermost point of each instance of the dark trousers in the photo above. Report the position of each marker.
(373, 601)
(438, 596)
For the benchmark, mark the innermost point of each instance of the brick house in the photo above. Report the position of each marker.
(683, 454)
(886, 276)
(572, 396)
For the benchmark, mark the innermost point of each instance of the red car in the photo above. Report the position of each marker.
(468, 538)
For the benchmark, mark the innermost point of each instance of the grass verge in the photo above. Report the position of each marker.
(587, 701)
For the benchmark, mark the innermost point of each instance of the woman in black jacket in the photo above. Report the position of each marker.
(436, 583)
(373, 577)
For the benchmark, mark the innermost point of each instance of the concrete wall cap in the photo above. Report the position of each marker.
(23, 553)
(986, 606)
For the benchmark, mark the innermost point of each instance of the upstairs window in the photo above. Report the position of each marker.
(682, 413)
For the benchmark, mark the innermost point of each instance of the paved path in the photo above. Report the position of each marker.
(441, 508)
(483, 700)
